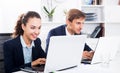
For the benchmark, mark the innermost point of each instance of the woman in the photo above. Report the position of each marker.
(24, 50)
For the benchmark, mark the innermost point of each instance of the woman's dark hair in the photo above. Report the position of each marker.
(23, 19)
(75, 14)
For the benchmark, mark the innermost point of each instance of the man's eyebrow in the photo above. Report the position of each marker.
(32, 25)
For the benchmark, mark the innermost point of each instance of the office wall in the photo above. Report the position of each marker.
(11, 9)
(112, 17)
(112, 29)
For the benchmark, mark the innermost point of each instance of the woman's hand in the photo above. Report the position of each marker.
(88, 54)
(38, 61)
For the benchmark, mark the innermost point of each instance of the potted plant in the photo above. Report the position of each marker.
(49, 12)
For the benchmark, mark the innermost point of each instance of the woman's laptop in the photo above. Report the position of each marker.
(64, 52)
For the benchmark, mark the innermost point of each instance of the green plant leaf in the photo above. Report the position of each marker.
(49, 13)
(52, 11)
(46, 10)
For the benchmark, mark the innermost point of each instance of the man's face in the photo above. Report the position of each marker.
(75, 26)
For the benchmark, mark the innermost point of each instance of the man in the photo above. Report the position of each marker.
(74, 24)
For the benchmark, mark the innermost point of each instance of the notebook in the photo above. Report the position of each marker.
(106, 49)
(64, 52)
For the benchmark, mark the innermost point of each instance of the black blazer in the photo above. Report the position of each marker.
(13, 54)
(60, 31)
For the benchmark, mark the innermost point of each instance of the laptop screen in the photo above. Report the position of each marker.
(64, 52)
(106, 49)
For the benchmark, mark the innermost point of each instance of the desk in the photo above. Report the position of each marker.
(95, 68)
(112, 67)
(92, 69)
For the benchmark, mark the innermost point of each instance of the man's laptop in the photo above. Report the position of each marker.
(64, 52)
(106, 48)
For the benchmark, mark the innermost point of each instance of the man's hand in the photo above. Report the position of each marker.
(88, 54)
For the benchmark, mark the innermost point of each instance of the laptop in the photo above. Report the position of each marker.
(64, 52)
(106, 49)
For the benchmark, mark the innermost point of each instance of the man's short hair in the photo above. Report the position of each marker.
(75, 14)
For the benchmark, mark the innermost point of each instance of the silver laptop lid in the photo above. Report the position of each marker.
(64, 52)
(106, 49)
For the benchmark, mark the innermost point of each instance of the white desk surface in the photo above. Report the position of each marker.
(112, 67)
(93, 69)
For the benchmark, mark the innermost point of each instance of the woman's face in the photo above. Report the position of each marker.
(32, 28)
